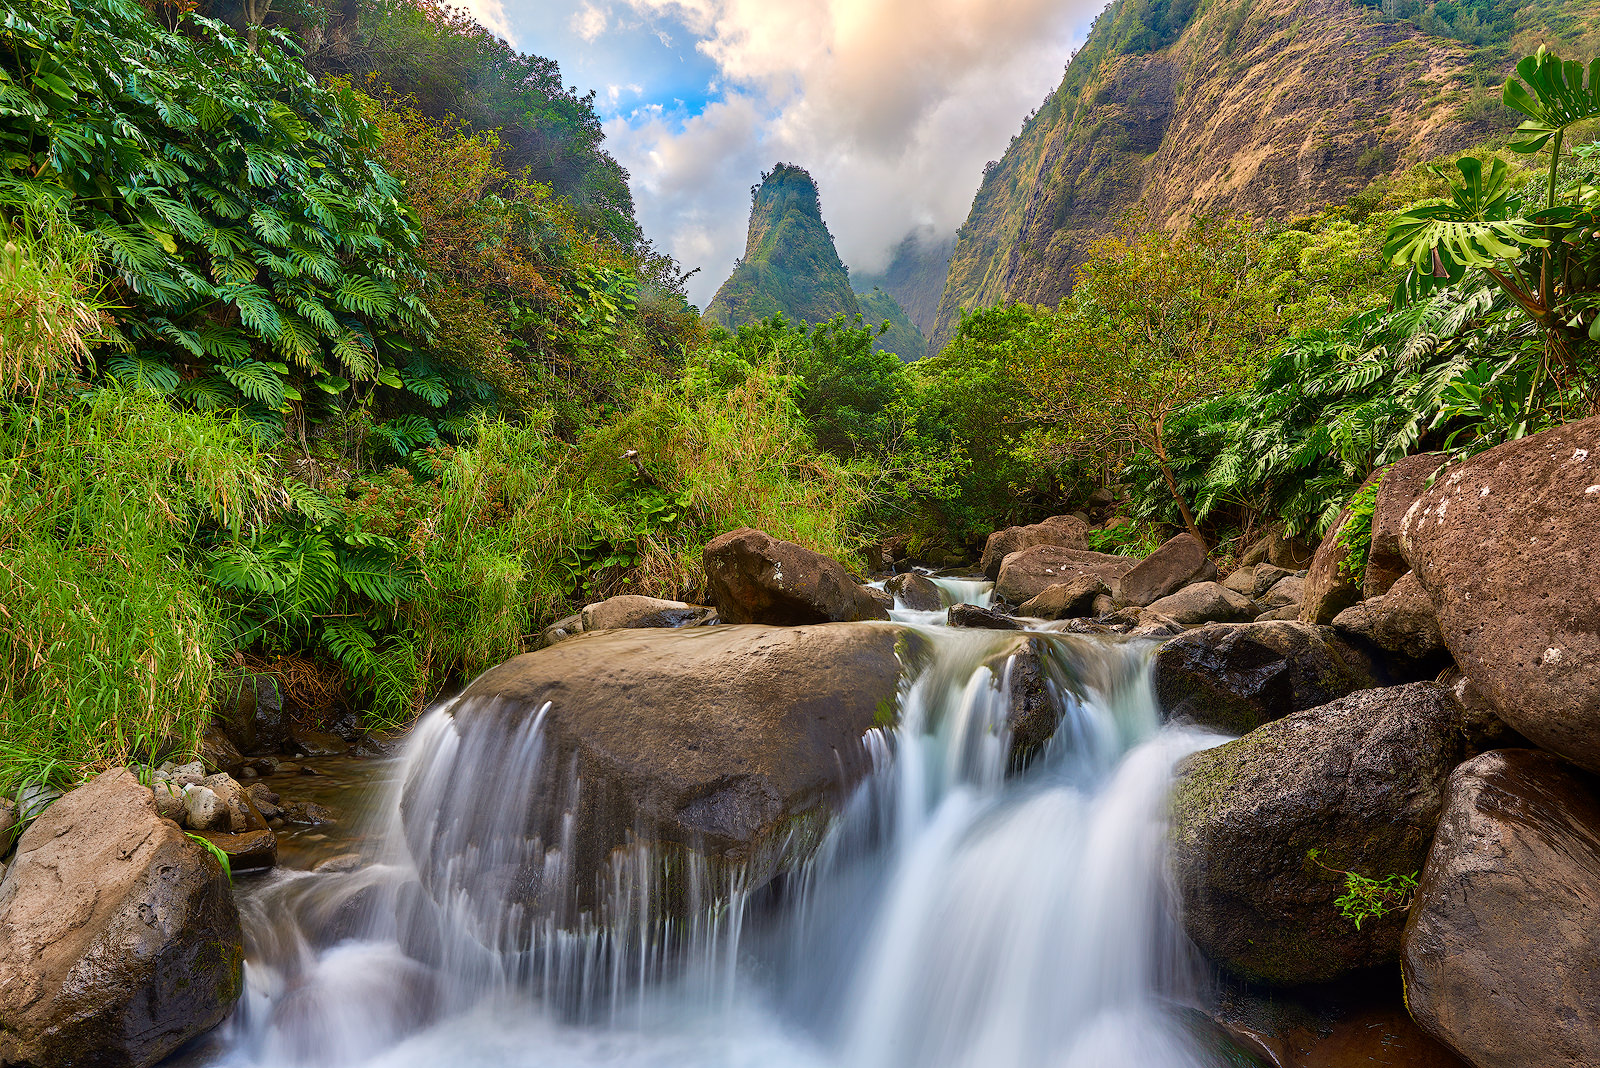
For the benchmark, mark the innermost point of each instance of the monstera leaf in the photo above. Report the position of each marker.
(1479, 226)
(1553, 96)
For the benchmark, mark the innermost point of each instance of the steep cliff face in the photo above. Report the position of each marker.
(1267, 108)
(915, 276)
(902, 338)
(790, 264)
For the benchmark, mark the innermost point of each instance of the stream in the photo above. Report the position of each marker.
(953, 916)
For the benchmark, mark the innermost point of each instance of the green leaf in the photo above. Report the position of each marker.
(1553, 96)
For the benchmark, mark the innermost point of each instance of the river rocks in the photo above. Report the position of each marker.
(1066, 600)
(9, 825)
(1402, 482)
(169, 800)
(560, 630)
(1235, 677)
(203, 810)
(1279, 549)
(1500, 950)
(970, 615)
(757, 579)
(1291, 589)
(247, 850)
(718, 738)
(1242, 580)
(1026, 574)
(1267, 578)
(218, 753)
(1505, 545)
(915, 591)
(120, 940)
(1065, 531)
(252, 714)
(1176, 563)
(1401, 621)
(1205, 602)
(1360, 780)
(631, 610)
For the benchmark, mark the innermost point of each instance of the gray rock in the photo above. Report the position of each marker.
(1066, 531)
(754, 578)
(1500, 953)
(970, 615)
(1401, 622)
(1291, 589)
(1289, 612)
(1235, 677)
(1176, 563)
(181, 775)
(1267, 576)
(120, 941)
(1066, 600)
(169, 800)
(1242, 580)
(1205, 602)
(1360, 780)
(203, 810)
(631, 610)
(1279, 549)
(251, 714)
(560, 630)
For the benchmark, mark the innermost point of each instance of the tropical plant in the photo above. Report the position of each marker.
(1365, 898)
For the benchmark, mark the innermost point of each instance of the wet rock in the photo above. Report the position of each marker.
(1066, 531)
(342, 863)
(10, 827)
(308, 812)
(757, 579)
(915, 591)
(318, 743)
(1500, 951)
(248, 850)
(1267, 576)
(203, 810)
(1205, 602)
(1153, 624)
(120, 938)
(1360, 780)
(970, 615)
(265, 801)
(1066, 600)
(1402, 482)
(252, 714)
(1329, 590)
(1026, 574)
(1504, 544)
(1288, 612)
(630, 610)
(1235, 677)
(719, 739)
(1401, 621)
(1176, 563)
(218, 752)
(169, 801)
(560, 630)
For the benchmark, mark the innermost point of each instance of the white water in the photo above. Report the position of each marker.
(953, 917)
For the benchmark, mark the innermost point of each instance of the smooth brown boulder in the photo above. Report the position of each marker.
(754, 578)
(1402, 482)
(1235, 677)
(1329, 590)
(1065, 600)
(1205, 602)
(1069, 532)
(970, 615)
(632, 610)
(1401, 621)
(1026, 574)
(917, 592)
(1507, 544)
(1291, 589)
(1267, 578)
(119, 939)
(719, 739)
(1360, 780)
(1176, 562)
(1242, 580)
(1501, 953)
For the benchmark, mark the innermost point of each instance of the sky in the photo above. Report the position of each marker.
(894, 106)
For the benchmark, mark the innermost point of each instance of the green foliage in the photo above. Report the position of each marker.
(216, 852)
(896, 332)
(51, 312)
(1356, 534)
(1369, 899)
(257, 247)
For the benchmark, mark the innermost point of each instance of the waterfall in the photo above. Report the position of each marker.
(957, 913)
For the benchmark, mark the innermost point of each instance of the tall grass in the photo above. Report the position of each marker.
(108, 636)
(49, 308)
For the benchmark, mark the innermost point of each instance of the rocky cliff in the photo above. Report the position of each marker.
(915, 275)
(790, 265)
(1269, 108)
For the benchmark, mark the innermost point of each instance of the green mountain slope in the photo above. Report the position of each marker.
(902, 338)
(1268, 108)
(915, 276)
(790, 265)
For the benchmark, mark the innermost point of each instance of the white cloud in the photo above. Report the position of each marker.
(492, 13)
(588, 22)
(894, 106)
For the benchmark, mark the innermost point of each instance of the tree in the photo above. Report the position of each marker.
(1156, 321)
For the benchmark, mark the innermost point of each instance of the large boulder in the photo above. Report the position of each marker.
(1401, 622)
(1505, 544)
(1066, 600)
(1329, 587)
(1176, 563)
(1235, 677)
(1359, 781)
(914, 591)
(1276, 547)
(717, 739)
(1026, 574)
(631, 610)
(119, 939)
(1069, 532)
(1205, 602)
(1403, 481)
(970, 615)
(252, 715)
(757, 579)
(1500, 951)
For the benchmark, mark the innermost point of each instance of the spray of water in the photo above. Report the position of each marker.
(954, 915)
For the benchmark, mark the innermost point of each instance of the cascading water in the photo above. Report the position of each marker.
(953, 916)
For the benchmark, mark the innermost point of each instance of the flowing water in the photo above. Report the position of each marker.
(952, 916)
